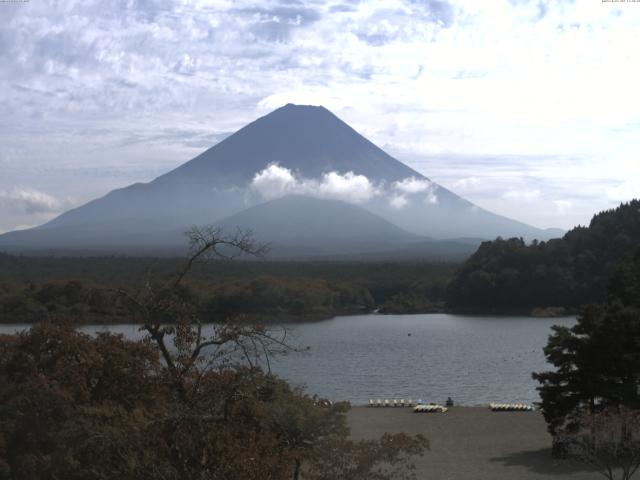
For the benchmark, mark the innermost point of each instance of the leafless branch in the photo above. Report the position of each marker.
(206, 242)
(608, 441)
(167, 314)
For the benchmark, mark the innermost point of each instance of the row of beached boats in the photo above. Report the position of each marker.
(420, 407)
(430, 408)
(510, 407)
(393, 403)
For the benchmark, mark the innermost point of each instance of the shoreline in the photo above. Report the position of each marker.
(315, 318)
(471, 443)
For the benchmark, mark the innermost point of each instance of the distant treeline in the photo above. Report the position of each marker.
(568, 272)
(86, 289)
(505, 275)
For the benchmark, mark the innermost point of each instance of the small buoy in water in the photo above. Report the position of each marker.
(408, 334)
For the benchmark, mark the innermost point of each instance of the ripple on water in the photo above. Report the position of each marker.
(473, 359)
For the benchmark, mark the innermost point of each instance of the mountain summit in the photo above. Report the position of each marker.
(294, 150)
(306, 139)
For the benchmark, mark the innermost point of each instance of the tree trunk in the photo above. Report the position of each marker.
(296, 471)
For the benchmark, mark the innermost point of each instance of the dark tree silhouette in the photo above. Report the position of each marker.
(566, 272)
(597, 361)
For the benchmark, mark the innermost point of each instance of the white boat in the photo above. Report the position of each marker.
(429, 408)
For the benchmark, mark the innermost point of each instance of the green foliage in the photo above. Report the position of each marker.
(597, 361)
(419, 297)
(282, 297)
(567, 272)
(33, 289)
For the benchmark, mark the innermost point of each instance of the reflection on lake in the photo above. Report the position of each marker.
(473, 359)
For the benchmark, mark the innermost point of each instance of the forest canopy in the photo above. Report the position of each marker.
(84, 289)
(508, 274)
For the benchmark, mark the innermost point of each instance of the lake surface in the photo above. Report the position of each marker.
(473, 359)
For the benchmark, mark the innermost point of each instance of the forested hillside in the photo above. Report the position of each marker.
(85, 289)
(567, 272)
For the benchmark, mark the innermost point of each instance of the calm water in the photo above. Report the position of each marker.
(473, 359)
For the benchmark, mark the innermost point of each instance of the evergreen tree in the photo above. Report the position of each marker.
(597, 361)
(566, 272)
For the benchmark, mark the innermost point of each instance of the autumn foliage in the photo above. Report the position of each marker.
(80, 407)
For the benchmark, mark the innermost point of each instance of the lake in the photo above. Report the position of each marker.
(473, 359)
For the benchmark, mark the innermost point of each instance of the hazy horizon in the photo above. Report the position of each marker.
(526, 108)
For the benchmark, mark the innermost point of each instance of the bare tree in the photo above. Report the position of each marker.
(608, 441)
(168, 313)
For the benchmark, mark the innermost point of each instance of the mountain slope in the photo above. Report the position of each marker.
(297, 217)
(306, 139)
(309, 142)
(304, 227)
(296, 225)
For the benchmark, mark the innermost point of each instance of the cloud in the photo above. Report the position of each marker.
(464, 184)
(583, 181)
(563, 206)
(431, 198)
(276, 181)
(350, 187)
(625, 191)
(187, 65)
(438, 11)
(17, 227)
(277, 23)
(522, 195)
(398, 202)
(29, 201)
(94, 84)
(411, 187)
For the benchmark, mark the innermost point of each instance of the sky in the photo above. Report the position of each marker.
(530, 109)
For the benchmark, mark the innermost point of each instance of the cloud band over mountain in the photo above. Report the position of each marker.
(277, 181)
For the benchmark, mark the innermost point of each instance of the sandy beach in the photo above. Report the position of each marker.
(473, 443)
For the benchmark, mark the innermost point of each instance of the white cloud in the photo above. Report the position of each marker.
(563, 206)
(17, 227)
(101, 84)
(276, 181)
(522, 195)
(431, 198)
(413, 185)
(349, 187)
(625, 191)
(28, 201)
(464, 184)
(398, 202)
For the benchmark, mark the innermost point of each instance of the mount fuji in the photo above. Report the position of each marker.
(298, 176)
